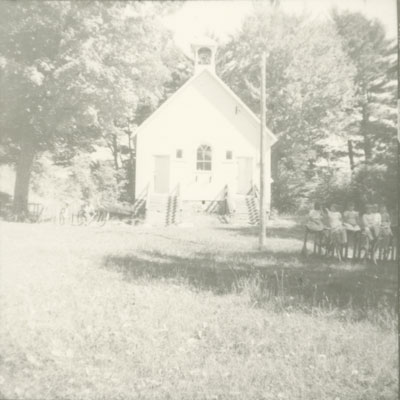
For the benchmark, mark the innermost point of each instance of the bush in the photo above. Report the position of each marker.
(297, 190)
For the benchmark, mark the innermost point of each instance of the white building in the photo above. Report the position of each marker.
(202, 140)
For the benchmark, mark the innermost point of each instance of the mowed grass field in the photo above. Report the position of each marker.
(124, 312)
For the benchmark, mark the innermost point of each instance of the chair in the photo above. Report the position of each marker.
(317, 239)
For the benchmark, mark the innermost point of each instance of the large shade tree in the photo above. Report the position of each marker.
(69, 71)
(309, 86)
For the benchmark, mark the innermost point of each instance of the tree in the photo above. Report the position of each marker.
(68, 71)
(375, 59)
(309, 89)
(373, 133)
(123, 143)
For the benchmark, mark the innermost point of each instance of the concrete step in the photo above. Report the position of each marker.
(162, 210)
(246, 211)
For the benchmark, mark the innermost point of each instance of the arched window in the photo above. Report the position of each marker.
(204, 158)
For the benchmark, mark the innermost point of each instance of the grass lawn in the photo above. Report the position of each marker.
(124, 312)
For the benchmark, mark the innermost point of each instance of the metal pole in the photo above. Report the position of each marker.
(262, 154)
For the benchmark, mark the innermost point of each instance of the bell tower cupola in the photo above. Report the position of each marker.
(204, 50)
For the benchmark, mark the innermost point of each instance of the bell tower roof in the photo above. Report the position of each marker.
(204, 50)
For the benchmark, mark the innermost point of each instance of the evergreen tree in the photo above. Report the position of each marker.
(373, 133)
(309, 90)
(374, 57)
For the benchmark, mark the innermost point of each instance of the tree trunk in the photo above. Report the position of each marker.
(364, 132)
(351, 155)
(115, 151)
(131, 171)
(23, 175)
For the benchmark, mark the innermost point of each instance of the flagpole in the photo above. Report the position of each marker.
(262, 154)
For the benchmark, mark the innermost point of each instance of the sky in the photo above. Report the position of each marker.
(224, 17)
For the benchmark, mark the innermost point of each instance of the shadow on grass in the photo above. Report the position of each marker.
(310, 284)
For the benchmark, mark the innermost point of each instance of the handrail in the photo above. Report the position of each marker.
(178, 197)
(147, 196)
(256, 194)
(229, 203)
(137, 205)
(255, 191)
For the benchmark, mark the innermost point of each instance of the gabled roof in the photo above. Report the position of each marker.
(203, 41)
(224, 86)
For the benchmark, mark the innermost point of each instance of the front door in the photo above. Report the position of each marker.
(161, 174)
(245, 174)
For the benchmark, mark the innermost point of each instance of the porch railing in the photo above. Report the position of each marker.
(229, 202)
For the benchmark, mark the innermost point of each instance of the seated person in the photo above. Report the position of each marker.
(337, 230)
(385, 233)
(351, 219)
(377, 220)
(368, 222)
(314, 222)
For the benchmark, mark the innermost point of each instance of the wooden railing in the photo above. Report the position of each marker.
(140, 201)
(229, 203)
(147, 197)
(178, 194)
(255, 191)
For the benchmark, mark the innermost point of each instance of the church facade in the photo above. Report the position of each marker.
(202, 140)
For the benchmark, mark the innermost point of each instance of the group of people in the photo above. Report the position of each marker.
(374, 223)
